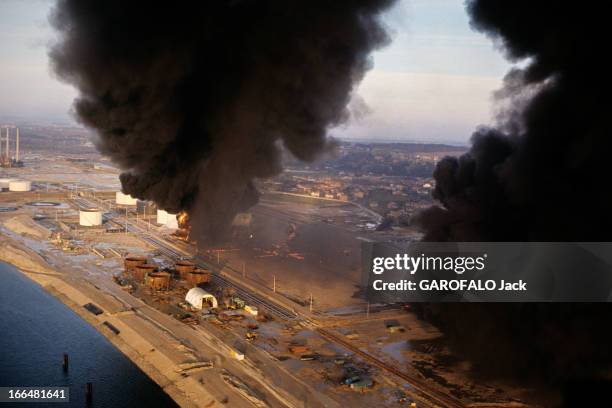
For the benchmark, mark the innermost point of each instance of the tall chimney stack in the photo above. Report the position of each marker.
(17, 146)
(8, 148)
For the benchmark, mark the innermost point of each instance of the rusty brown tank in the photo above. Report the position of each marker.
(184, 268)
(198, 276)
(140, 271)
(130, 262)
(159, 280)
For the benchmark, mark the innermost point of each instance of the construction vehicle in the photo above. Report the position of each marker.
(236, 303)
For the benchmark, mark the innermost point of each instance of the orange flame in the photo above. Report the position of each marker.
(184, 229)
(183, 220)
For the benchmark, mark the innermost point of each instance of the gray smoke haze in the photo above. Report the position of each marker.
(194, 100)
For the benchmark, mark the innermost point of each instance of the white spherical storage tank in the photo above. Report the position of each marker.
(162, 216)
(90, 217)
(171, 221)
(4, 182)
(20, 185)
(124, 199)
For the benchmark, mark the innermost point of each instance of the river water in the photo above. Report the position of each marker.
(36, 330)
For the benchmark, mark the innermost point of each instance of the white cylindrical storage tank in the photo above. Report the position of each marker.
(4, 182)
(162, 216)
(90, 217)
(20, 185)
(124, 199)
(171, 221)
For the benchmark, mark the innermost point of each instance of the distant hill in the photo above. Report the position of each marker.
(411, 147)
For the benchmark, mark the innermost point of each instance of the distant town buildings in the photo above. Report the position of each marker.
(394, 180)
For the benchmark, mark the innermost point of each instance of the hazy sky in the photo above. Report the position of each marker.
(433, 82)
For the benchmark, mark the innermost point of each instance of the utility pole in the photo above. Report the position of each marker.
(274, 284)
(311, 302)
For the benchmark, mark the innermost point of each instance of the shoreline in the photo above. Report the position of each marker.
(127, 341)
(195, 366)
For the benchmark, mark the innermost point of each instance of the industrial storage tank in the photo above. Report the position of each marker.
(90, 217)
(171, 221)
(20, 185)
(124, 199)
(159, 280)
(132, 261)
(162, 216)
(4, 182)
(184, 268)
(141, 271)
(199, 276)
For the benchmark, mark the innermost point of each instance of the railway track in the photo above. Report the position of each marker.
(422, 389)
(431, 396)
(279, 311)
(217, 279)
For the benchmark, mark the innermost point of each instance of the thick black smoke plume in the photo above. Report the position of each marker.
(540, 175)
(193, 100)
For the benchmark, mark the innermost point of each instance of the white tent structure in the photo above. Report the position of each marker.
(199, 298)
